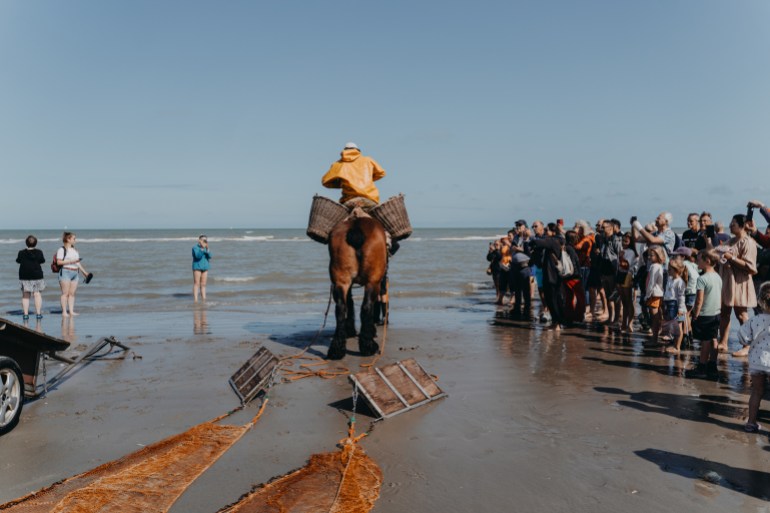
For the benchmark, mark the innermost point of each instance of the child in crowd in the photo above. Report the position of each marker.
(706, 314)
(504, 265)
(627, 265)
(674, 308)
(756, 333)
(692, 283)
(654, 289)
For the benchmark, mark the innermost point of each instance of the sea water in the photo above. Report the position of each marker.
(263, 271)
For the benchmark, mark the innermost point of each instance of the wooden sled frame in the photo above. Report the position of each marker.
(26, 347)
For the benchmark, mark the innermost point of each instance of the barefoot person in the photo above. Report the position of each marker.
(31, 277)
(200, 267)
(755, 335)
(68, 258)
(738, 266)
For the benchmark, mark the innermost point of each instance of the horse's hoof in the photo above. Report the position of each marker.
(336, 351)
(335, 354)
(368, 349)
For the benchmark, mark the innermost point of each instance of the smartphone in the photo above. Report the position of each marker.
(633, 219)
(710, 232)
(560, 222)
(749, 213)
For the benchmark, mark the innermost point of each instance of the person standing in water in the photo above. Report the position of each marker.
(31, 277)
(200, 267)
(69, 261)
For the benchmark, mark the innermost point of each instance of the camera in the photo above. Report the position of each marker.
(633, 219)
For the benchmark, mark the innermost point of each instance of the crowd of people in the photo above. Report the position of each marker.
(647, 279)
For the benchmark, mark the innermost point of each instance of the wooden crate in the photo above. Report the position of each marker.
(254, 375)
(396, 388)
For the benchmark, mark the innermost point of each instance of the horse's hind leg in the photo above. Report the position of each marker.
(366, 344)
(350, 319)
(337, 346)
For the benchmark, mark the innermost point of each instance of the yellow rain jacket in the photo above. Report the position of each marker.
(355, 174)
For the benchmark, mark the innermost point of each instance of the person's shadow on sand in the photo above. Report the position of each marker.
(666, 370)
(750, 482)
(683, 407)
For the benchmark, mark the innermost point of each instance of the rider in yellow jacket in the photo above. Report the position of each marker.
(355, 174)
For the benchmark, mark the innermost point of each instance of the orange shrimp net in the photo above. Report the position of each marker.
(346, 481)
(150, 479)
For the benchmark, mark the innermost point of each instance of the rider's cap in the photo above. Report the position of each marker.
(351, 146)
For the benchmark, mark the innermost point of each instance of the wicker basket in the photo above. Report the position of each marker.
(324, 215)
(392, 214)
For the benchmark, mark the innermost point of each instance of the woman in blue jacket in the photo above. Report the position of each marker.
(200, 266)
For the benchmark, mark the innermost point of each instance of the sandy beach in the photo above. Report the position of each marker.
(534, 420)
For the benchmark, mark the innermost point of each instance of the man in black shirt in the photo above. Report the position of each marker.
(692, 233)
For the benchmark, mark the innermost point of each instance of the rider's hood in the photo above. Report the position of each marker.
(350, 154)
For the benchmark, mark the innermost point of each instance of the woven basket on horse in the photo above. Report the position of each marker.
(393, 216)
(324, 215)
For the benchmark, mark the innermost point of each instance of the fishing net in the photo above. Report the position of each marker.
(346, 481)
(148, 480)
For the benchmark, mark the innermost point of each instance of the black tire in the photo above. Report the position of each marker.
(11, 394)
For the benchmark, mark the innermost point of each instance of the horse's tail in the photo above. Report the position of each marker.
(355, 236)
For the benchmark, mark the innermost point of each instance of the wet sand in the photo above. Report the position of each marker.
(581, 420)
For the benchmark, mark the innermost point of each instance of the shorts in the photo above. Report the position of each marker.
(705, 327)
(68, 275)
(538, 274)
(689, 300)
(654, 302)
(32, 285)
(671, 310)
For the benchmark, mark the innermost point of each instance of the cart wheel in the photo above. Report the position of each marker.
(11, 394)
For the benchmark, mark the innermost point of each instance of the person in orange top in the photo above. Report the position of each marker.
(355, 174)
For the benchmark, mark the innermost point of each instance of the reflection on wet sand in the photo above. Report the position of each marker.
(68, 329)
(200, 322)
(38, 325)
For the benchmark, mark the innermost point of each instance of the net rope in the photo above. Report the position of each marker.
(150, 479)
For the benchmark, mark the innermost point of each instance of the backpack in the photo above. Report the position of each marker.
(678, 243)
(55, 267)
(564, 265)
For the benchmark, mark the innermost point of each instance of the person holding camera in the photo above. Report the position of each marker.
(663, 236)
(200, 266)
(761, 238)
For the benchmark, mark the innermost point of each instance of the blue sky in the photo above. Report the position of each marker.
(193, 114)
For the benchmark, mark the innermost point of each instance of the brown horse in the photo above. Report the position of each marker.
(358, 255)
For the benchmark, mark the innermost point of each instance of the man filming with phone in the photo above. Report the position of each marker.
(751, 227)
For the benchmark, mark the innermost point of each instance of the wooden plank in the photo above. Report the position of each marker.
(405, 386)
(422, 377)
(379, 392)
